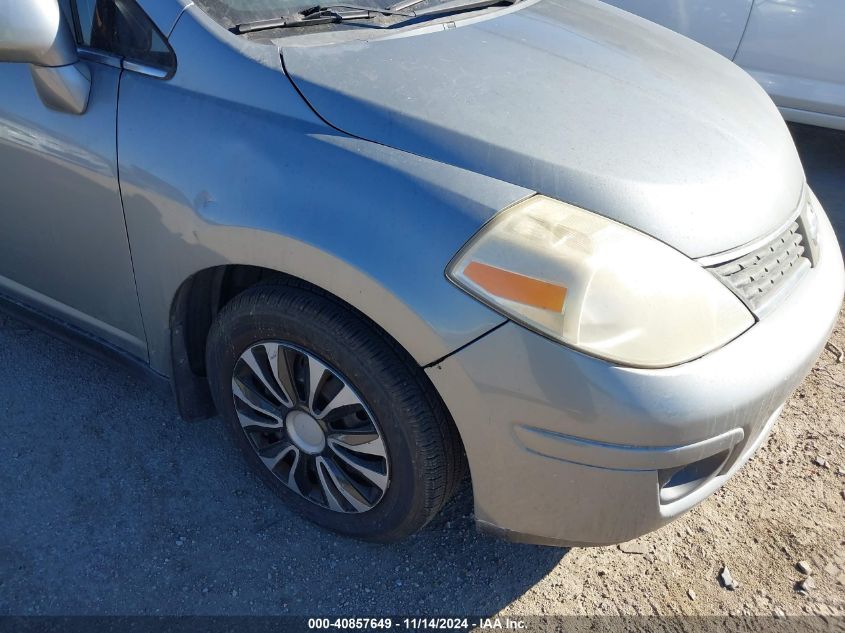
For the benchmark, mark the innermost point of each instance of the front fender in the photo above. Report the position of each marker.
(225, 164)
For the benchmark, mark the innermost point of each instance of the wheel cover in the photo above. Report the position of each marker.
(310, 428)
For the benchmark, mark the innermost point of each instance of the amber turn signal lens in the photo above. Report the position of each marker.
(516, 287)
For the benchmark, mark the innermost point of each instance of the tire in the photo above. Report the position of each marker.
(395, 484)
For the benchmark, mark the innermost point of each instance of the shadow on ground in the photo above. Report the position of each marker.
(110, 504)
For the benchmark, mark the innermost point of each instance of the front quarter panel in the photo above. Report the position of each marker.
(226, 164)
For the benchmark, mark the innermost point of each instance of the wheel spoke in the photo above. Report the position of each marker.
(268, 380)
(273, 453)
(366, 443)
(252, 422)
(363, 468)
(316, 372)
(328, 493)
(344, 398)
(344, 485)
(255, 401)
(279, 365)
(294, 469)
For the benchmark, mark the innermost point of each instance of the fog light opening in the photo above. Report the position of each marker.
(676, 483)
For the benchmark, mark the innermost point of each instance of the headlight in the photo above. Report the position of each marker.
(597, 285)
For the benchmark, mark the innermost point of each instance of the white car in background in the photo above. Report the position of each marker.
(794, 48)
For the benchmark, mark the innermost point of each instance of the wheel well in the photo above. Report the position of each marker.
(198, 301)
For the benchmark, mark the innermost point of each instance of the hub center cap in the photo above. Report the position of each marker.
(305, 432)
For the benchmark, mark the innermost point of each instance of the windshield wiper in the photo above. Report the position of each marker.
(457, 6)
(327, 14)
(319, 14)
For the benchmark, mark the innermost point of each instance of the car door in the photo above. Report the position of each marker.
(64, 248)
(718, 24)
(795, 49)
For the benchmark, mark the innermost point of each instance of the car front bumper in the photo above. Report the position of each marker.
(566, 449)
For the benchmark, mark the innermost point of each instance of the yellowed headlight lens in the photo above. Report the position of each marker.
(597, 285)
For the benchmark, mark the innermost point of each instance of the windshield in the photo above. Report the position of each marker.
(232, 12)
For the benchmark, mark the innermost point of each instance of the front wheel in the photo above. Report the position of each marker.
(334, 416)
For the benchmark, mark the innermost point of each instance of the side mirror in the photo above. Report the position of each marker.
(35, 32)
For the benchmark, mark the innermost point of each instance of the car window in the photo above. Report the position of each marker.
(121, 27)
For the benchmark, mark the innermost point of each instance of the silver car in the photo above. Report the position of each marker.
(544, 241)
(792, 47)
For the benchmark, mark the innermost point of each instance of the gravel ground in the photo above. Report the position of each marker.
(112, 505)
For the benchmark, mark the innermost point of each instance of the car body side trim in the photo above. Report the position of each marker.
(16, 293)
(809, 117)
(144, 69)
(99, 57)
(83, 340)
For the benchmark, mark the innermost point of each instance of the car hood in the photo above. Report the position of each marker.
(581, 102)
